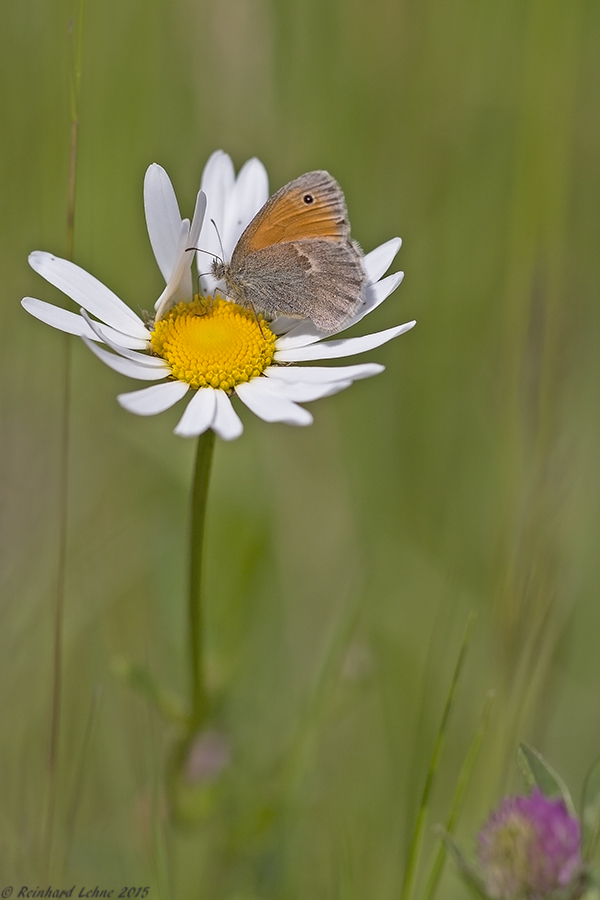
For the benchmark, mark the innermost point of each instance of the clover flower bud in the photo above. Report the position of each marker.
(529, 847)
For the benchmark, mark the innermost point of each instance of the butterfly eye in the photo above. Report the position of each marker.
(308, 198)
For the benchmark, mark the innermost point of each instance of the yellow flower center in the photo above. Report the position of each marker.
(213, 343)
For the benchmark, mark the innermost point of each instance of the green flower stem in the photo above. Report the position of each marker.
(200, 699)
(63, 477)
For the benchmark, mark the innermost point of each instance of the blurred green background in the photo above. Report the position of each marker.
(342, 559)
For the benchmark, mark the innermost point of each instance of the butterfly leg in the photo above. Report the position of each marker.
(253, 308)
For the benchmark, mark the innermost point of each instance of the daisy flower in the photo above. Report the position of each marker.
(201, 345)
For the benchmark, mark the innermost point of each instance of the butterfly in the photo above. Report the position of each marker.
(296, 257)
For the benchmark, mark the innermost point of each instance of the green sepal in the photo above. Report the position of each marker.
(467, 870)
(140, 679)
(590, 811)
(538, 773)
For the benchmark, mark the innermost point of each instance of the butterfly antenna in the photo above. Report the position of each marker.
(200, 250)
(220, 241)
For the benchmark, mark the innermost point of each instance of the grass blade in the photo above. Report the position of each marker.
(417, 841)
(457, 800)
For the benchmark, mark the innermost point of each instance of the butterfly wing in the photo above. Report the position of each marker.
(296, 257)
(317, 279)
(311, 205)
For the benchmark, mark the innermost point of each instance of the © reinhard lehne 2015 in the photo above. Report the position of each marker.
(76, 891)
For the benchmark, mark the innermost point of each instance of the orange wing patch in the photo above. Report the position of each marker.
(311, 206)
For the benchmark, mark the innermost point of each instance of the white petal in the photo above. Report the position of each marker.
(58, 318)
(269, 407)
(154, 399)
(88, 292)
(323, 374)
(375, 294)
(384, 287)
(304, 393)
(378, 261)
(162, 218)
(123, 340)
(302, 334)
(199, 413)
(249, 194)
(231, 204)
(75, 324)
(282, 324)
(227, 424)
(218, 180)
(127, 366)
(179, 286)
(187, 288)
(142, 358)
(197, 218)
(347, 347)
(218, 177)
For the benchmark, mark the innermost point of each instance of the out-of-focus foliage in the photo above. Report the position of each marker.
(464, 477)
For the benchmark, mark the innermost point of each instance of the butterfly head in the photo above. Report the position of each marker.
(234, 289)
(219, 269)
